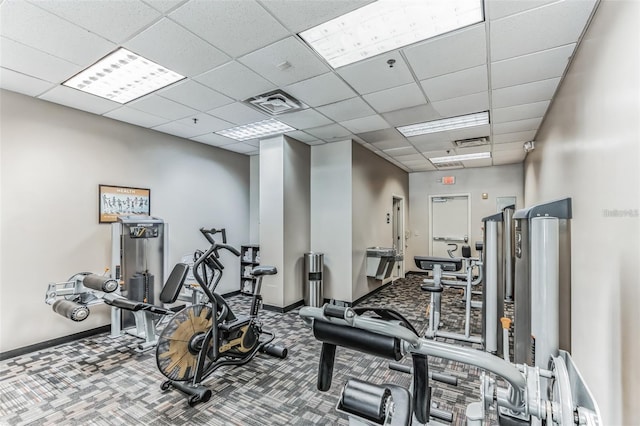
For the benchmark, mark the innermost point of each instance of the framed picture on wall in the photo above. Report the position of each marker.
(114, 201)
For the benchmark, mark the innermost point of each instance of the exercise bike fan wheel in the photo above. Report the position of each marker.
(181, 342)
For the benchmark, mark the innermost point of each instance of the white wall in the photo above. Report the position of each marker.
(296, 217)
(588, 149)
(272, 218)
(53, 159)
(331, 215)
(375, 183)
(496, 181)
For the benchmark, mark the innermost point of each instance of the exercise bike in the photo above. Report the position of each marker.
(204, 337)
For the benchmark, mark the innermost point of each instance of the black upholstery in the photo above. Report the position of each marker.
(427, 263)
(431, 288)
(421, 390)
(126, 304)
(172, 287)
(466, 251)
(264, 270)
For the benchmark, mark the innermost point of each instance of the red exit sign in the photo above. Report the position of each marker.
(448, 180)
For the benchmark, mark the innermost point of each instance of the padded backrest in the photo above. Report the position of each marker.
(172, 288)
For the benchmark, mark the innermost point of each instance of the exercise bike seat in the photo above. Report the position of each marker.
(264, 270)
(427, 263)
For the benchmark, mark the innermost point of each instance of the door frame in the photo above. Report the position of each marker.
(401, 215)
(431, 197)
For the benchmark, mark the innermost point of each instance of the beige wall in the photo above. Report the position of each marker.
(375, 183)
(497, 181)
(331, 215)
(588, 149)
(52, 160)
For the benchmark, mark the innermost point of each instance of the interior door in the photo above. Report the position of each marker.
(450, 222)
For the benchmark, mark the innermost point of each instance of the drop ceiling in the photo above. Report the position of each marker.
(511, 65)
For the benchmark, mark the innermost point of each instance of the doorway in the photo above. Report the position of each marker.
(449, 223)
(397, 225)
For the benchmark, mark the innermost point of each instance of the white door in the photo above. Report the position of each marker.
(450, 223)
(398, 234)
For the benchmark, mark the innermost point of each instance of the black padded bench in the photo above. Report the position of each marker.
(427, 263)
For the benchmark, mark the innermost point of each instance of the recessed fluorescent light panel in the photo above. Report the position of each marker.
(386, 25)
(256, 130)
(452, 123)
(462, 157)
(123, 76)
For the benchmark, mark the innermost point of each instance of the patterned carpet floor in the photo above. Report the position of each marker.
(101, 381)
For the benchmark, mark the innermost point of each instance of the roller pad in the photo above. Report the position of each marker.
(72, 310)
(100, 283)
(365, 399)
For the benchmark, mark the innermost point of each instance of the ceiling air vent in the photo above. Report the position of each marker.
(275, 103)
(449, 165)
(467, 143)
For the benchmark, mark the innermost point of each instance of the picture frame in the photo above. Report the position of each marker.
(114, 201)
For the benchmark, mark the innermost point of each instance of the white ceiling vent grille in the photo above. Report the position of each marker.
(275, 103)
(449, 165)
(467, 143)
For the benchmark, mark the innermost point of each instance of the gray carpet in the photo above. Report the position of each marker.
(101, 381)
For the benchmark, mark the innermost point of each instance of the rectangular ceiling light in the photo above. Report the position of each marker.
(256, 130)
(462, 157)
(442, 125)
(386, 25)
(123, 76)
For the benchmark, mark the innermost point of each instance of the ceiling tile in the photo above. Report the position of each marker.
(316, 142)
(238, 113)
(496, 9)
(416, 163)
(204, 123)
(549, 26)
(513, 137)
(375, 74)
(365, 124)
(302, 136)
(214, 139)
(510, 146)
(170, 45)
(383, 137)
(177, 129)
(164, 5)
(443, 144)
(302, 63)
(235, 80)
(519, 112)
(195, 95)
(392, 144)
(30, 25)
(134, 116)
(239, 147)
(469, 132)
(481, 162)
(16, 82)
(253, 142)
(399, 97)
(426, 168)
(417, 114)
(99, 16)
(80, 100)
(321, 90)
(525, 93)
(454, 85)
(463, 105)
(533, 67)
(235, 27)
(346, 110)
(508, 157)
(299, 15)
(451, 52)
(434, 154)
(517, 126)
(331, 131)
(473, 149)
(405, 154)
(27, 60)
(304, 119)
(157, 105)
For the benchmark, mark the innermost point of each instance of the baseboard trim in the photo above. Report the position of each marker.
(285, 309)
(366, 296)
(231, 293)
(53, 342)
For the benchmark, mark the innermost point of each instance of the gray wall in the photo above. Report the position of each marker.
(297, 200)
(52, 160)
(588, 148)
(331, 215)
(375, 183)
(497, 181)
